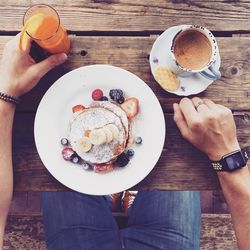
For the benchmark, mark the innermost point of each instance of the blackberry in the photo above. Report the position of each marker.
(122, 160)
(121, 100)
(116, 94)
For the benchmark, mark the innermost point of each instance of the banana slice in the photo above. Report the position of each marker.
(114, 130)
(109, 135)
(84, 144)
(97, 137)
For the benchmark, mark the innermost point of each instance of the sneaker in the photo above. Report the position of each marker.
(116, 201)
(128, 200)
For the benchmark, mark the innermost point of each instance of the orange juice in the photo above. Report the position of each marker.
(46, 31)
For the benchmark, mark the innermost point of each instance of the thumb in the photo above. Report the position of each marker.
(41, 68)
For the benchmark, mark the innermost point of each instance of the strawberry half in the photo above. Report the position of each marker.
(104, 168)
(78, 108)
(131, 107)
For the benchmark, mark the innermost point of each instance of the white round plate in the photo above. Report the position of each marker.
(54, 113)
(160, 55)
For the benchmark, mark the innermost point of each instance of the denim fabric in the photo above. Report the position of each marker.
(168, 220)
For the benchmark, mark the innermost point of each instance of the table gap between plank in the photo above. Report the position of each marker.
(133, 33)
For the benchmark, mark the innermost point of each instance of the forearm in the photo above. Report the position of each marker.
(236, 189)
(7, 111)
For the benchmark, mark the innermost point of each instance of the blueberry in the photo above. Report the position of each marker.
(121, 100)
(130, 153)
(64, 141)
(104, 98)
(122, 160)
(86, 166)
(76, 159)
(138, 140)
(115, 94)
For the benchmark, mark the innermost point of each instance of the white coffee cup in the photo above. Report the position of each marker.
(208, 70)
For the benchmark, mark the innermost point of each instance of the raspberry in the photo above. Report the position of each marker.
(97, 94)
(68, 153)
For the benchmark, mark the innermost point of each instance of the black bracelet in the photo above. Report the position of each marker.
(9, 98)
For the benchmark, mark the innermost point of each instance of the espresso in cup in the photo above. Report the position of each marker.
(192, 50)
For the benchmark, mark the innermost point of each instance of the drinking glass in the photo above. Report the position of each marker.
(42, 23)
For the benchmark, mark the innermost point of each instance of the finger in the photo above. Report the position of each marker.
(188, 110)
(14, 42)
(28, 43)
(200, 105)
(24, 41)
(223, 108)
(17, 36)
(180, 120)
(40, 69)
(210, 104)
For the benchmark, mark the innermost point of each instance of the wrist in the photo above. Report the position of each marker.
(7, 107)
(236, 182)
(9, 87)
(217, 155)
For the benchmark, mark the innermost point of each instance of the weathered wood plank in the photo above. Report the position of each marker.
(128, 15)
(217, 232)
(180, 167)
(23, 232)
(131, 53)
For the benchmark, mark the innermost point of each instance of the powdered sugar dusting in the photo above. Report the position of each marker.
(114, 108)
(94, 118)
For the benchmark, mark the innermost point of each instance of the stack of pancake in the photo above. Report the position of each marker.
(99, 133)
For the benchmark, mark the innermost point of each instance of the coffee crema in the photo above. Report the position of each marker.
(192, 50)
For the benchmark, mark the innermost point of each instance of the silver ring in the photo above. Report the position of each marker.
(198, 105)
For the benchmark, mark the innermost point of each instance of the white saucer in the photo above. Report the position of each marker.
(160, 55)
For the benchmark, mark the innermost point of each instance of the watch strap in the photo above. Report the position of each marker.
(9, 98)
(221, 164)
(245, 153)
(217, 165)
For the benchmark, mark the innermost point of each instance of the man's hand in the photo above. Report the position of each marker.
(210, 127)
(18, 71)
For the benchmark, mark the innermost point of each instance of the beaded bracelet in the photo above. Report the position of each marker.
(9, 98)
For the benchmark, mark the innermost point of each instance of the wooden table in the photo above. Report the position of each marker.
(121, 33)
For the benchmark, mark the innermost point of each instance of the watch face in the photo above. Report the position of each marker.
(235, 161)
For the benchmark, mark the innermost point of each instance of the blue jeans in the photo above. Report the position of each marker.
(168, 220)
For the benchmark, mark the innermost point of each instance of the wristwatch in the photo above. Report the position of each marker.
(231, 162)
